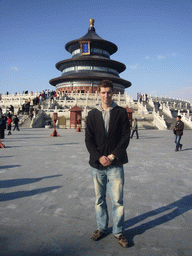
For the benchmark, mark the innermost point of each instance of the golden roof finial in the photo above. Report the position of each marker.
(91, 21)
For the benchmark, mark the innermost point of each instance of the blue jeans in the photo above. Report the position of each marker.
(177, 141)
(113, 178)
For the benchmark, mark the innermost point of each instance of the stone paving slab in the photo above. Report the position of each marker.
(47, 196)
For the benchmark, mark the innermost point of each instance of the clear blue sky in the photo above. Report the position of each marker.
(154, 39)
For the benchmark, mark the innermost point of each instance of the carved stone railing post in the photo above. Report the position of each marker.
(188, 114)
(159, 121)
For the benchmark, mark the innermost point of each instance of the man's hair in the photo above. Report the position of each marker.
(179, 117)
(105, 83)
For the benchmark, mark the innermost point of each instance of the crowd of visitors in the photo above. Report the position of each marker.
(142, 97)
(30, 107)
(6, 123)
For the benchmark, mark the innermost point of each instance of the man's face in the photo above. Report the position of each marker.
(106, 94)
(178, 119)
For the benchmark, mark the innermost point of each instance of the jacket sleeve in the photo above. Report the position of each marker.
(124, 142)
(90, 139)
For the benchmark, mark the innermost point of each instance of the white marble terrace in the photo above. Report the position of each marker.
(147, 114)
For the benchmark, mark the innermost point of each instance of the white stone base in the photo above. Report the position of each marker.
(48, 126)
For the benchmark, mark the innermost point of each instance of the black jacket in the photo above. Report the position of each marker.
(115, 142)
(16, 120)
(179, 126)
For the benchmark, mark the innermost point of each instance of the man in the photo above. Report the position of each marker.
(178, 133)
(135, 129)
(107, 137)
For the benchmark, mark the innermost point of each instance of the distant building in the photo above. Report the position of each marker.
(90, 63)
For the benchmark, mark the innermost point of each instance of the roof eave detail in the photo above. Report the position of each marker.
(111, 47)
(121, 81)
(88, 58)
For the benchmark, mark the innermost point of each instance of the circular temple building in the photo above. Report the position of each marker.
(90, 63)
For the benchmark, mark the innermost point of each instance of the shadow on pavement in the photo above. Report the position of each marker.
(5, 157)
(31, 137)
(20, 194)
(9, 166)
(185, 149)
(64, 144)
(13, 146)
(179, 207)
(19, 182)
(69, 249)
(147, 137)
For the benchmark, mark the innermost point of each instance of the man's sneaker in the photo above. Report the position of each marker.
(97, 235)
(181, 147)
(122, 241)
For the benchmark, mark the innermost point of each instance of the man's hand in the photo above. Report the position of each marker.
(111, 157)
(105, 161)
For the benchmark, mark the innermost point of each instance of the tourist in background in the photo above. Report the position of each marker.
(11, 109)
(16, 122)
(31, 109)
(2, 125)
(40, 98)
(9, 120)
(138, 96)
(135, 128)
(146, 97)
(107, 137)
(157, 106)
(178, 131)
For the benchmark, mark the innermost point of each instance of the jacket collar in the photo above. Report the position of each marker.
(111, 121)
(99, 107)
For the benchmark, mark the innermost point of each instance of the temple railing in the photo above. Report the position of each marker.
(174, 104)
(159, 121)
(38, 120)
(186, 118)
(142, 110)
(166, 110)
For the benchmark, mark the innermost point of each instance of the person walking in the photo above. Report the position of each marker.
(16, 122)
(107, 137)
(135, 128)
(178, 131)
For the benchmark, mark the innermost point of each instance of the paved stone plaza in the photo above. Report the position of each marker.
(47, 196)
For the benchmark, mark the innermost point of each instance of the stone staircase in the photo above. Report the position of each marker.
(149, 108)
(170, 122)
(147, 121)
(24, 121)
